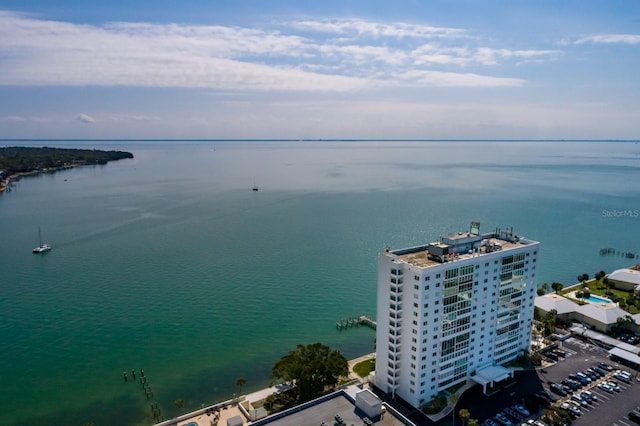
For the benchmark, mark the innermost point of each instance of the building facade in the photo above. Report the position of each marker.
(451, 308)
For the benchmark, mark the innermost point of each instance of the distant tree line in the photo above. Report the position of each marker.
(17, 159)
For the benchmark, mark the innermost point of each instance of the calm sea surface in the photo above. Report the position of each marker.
(171, 263)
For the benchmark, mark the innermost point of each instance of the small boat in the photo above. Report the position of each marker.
(255, 188)
(43, 247)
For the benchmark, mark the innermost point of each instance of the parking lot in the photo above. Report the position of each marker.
(610, 408)
(606, 409)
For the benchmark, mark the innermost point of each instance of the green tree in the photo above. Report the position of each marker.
(540, 291)
(557, 287)
(240, 383)
(473, 422)
(599, 275)
(545, 287)
(311, 369)
(464, 415)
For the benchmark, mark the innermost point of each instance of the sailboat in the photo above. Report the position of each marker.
(43, 247)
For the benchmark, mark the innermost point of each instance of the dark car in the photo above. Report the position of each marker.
(599, 373)
(572, 384)
(634, 416)
(605, 366)
(546, 394)
(542, 400)
(556, 388)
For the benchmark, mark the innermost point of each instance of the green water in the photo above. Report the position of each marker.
(171, 263)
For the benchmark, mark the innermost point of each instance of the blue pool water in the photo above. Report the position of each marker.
(191, 424)
(596, 299)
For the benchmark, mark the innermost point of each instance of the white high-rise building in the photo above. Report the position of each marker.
(453, 310)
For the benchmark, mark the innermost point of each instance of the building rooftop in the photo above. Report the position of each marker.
(460, 246)
(561, 304)
(627, 275)
(325, 410)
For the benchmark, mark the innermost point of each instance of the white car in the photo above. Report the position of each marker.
(579, 400)
(614, 386)
(605, 387)
(571, 408)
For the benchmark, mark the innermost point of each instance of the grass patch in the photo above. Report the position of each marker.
(365, 367)
(455, 388)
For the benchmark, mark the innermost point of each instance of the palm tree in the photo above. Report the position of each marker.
(473, 422)
(453, 400)
(464, 415)
(240, 383)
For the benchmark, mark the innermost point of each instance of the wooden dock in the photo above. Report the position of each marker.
(355, 322)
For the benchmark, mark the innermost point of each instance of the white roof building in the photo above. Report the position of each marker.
(561, 304)
(626, 278)
(451, 309)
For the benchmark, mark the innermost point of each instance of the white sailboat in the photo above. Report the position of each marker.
(43, 247)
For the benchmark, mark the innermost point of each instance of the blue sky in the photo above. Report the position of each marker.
(326, 69)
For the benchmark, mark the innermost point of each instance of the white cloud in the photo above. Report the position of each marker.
(449, 79)
(84, 118)
(610, 39)
(360, 27)
(366, 55)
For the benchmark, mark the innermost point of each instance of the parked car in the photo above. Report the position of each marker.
(605, 366)
(550, 397)
(624, 373)
(583, 378)
(503, 419)
(634, 416)
(579, 400)
(590, 374)
(598, 373)
(556, 388)
(560, 353)
(520, 409)
(605, 387)
(589, 396)
(572, 409)
(542, 400)
(622, 377)
(489, 422)
(572, 384)
(614, 386)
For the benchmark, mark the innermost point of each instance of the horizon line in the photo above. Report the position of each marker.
(304, 140)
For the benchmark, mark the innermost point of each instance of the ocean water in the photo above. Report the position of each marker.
(170, 263)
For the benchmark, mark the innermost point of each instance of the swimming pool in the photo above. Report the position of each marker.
(596, 299)
(191, 424)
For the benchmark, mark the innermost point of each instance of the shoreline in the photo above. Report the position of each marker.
(6, 182)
